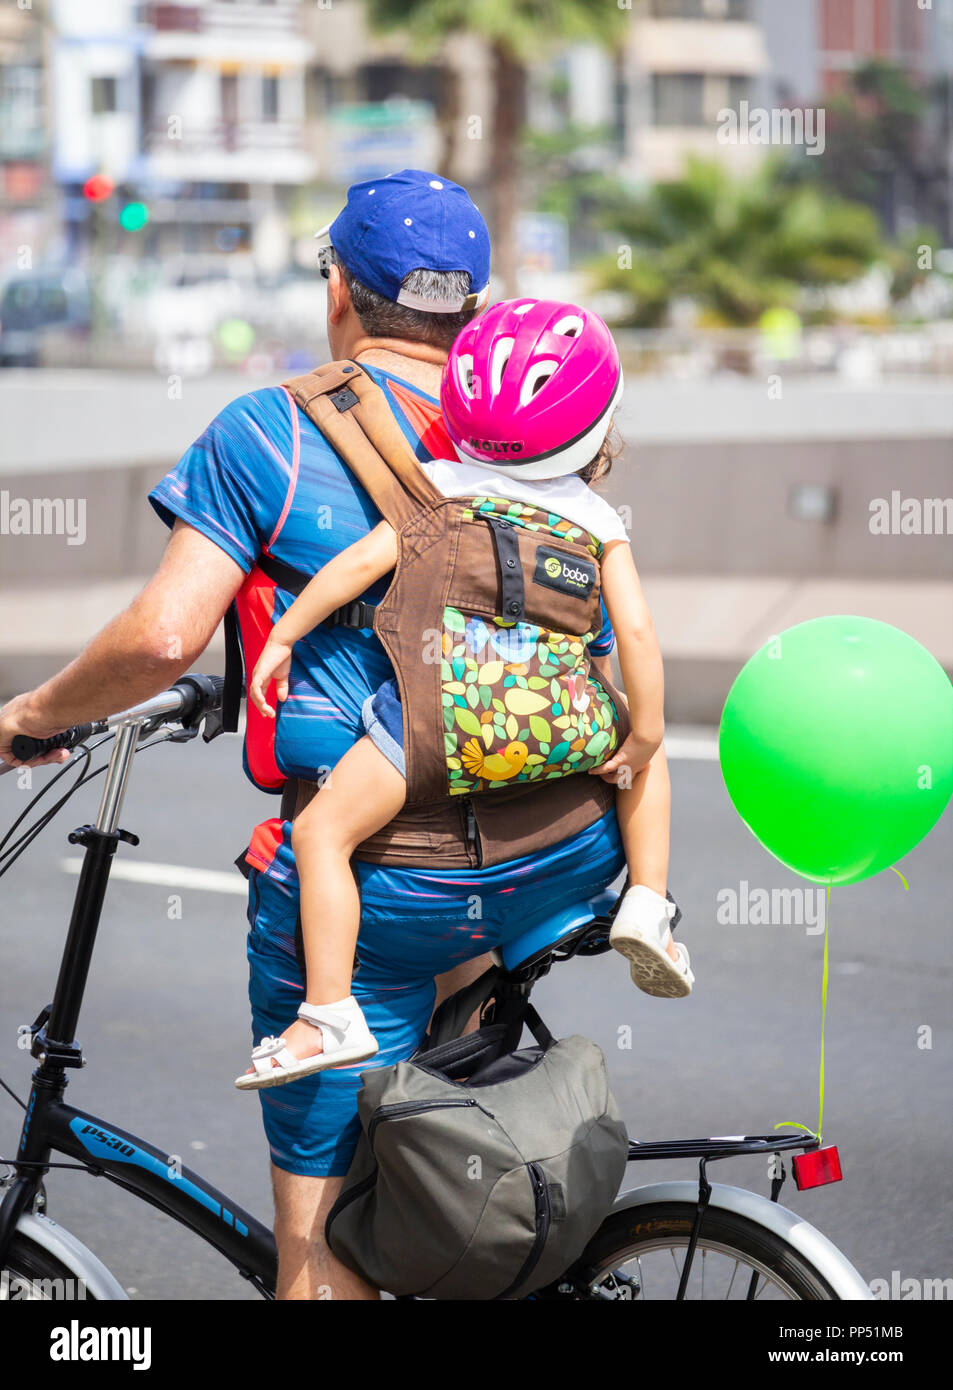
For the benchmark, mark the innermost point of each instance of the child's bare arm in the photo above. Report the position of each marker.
(640, 659)
(338, 582)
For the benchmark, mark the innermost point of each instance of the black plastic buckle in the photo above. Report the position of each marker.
(357, 614)
(343, 399)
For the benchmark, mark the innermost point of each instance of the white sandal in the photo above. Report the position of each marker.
(346, 1040)
(640, 932)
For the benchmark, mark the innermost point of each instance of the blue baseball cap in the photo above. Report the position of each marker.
(408, 221)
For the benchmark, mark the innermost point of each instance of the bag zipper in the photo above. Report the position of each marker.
(402, 1108)
(472, 831)
(543, 1220)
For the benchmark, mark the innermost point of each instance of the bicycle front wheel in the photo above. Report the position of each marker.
(639, 1254)
(32, 1274)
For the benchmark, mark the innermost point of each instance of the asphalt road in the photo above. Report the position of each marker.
(165, 1024)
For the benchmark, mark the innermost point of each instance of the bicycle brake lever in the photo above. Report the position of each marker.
(184, 735)
(213, 726)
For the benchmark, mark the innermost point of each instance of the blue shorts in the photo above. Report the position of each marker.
(415, 924)
(383, 718)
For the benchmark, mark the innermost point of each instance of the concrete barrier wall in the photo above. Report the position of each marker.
(696, 509)
(724, 508)
(707, 480)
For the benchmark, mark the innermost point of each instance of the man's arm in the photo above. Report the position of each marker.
(142, 651)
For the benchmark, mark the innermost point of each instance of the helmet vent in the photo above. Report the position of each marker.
(501, 355)
(465, 374)
(569, 327)
(535, 379)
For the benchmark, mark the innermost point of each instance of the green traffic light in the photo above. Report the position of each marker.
(134, 217)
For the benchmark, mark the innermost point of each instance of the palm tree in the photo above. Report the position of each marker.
(735, 245)
(515, 31)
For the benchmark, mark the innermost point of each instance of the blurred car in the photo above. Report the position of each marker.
(38, 305)
(194, 294)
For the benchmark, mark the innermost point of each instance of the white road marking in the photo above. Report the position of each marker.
(689, 742)
(170, 876)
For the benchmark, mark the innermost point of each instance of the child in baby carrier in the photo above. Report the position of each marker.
(546, 375)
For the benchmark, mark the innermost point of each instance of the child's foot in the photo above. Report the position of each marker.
(323, 1035)
(641, 932)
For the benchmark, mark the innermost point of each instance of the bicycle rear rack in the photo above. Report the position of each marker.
(709, 1151)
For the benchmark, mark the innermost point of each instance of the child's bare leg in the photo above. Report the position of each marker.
(643, 811)
(363, 793)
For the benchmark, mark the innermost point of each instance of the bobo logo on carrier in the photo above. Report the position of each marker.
(569, 573)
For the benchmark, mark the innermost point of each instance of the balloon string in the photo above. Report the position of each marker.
(792, 1124)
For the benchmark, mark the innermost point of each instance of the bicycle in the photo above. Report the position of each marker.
(634, 1255)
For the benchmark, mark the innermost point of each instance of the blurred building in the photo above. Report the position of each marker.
(23, 133)
(685, 61)
(195, 106)
(814, 45)
(374, 105)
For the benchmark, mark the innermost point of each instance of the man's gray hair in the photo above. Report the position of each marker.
(382, 318)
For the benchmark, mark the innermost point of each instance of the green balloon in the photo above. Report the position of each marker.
(836, 746)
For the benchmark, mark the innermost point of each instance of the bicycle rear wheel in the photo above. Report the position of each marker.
(32, 1274)
(638, 1254)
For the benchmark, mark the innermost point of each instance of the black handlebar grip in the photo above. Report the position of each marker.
(201, 695)
(26, 748)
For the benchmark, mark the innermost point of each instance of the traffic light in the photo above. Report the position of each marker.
(98, 188)
(133, 217)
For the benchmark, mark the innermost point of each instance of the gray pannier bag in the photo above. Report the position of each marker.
(480, 1175)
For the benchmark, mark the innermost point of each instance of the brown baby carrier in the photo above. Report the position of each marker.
(487, 624)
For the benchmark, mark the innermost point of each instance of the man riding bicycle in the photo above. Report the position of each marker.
(407, 269)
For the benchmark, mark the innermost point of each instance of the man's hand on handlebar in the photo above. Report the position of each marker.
(16, 718)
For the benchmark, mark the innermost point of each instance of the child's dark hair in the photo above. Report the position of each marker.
(599, 467)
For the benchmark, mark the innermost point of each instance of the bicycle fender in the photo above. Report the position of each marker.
(806, 1239)
(77, 1257)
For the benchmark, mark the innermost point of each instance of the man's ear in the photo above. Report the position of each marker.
(339, 296)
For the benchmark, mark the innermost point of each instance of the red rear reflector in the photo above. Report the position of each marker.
(818, 1168)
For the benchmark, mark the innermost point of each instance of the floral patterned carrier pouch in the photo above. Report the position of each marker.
(519, 700)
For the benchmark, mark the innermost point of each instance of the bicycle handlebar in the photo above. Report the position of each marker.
(187, 702)
(26, 748)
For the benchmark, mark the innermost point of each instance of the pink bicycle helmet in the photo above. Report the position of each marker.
(529, 388)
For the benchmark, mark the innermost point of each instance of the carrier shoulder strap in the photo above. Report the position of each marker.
(352, 413)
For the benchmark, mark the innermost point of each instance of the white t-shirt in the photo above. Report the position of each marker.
(569, 497)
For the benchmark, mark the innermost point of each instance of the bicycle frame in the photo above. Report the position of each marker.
(50, 1125)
